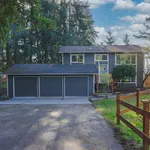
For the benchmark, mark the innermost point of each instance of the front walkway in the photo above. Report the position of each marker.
(54, 127)
(79, 100)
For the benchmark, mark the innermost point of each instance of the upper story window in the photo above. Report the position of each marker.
(102, 62)
(101, 57)
(77, 58)
(125, 59)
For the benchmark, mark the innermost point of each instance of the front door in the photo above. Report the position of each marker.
(102, 69)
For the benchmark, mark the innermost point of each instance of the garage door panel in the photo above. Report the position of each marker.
(25, 86)
(51, 86)
(76, 86)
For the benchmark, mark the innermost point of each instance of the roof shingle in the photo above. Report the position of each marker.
(48, 69)
(101, 49)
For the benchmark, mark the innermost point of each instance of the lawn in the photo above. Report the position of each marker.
(108, 109)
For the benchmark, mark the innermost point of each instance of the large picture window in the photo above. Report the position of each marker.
(127, 59)
(77, 58)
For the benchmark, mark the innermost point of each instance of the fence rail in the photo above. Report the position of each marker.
(121, 100)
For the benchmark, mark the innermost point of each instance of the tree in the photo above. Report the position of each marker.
(10, 12)
(106, 80)
(145, 34)
(146, 69)
(146, 51)
(126, 39)
(110, 39)
(45, 28)
(123, 72)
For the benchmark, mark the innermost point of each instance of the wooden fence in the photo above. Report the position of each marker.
(120, 100)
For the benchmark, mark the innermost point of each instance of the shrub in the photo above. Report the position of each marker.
(123, 72)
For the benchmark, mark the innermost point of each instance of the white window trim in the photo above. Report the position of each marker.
(125, 54)
(128, 64)
(102, 61)
(71, 62)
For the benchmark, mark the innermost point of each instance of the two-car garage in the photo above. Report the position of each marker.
(47, 80)
(50, 86)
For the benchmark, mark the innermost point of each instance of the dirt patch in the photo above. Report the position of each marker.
(127, 144)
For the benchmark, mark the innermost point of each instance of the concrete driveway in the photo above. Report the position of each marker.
(40, 101)
(54, 127)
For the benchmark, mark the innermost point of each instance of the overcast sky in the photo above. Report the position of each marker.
(121, 16)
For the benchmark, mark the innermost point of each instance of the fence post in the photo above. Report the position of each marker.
(138, 97)
(145, 124)
(118, 107)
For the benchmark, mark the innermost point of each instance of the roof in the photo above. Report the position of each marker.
(50, 69)
(100, 49)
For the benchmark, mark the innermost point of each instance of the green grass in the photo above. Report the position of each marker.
(108, 109)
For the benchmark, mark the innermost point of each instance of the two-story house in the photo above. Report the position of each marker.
(76, 75)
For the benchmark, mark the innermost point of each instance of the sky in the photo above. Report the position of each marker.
(121, 16)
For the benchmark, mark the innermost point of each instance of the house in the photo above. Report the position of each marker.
(76, 75)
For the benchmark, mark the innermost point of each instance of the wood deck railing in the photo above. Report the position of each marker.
(120, 100)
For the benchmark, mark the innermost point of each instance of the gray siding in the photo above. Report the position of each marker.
(111, 61)
(140, 67)
(66, 58)
(10, 86)
(51, 87)
(89, 58)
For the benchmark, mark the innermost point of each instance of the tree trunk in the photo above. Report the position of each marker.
(7, 55)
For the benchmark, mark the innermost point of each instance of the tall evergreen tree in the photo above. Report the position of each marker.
(45, 29)
(110, 39)
(126, 39)
(10, 12)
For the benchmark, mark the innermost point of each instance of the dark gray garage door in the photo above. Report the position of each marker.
(25, 86)
(51, 87)
(76, 86)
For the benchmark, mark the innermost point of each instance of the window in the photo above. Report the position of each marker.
(125, 59)
(128, 80)
(128, 59)
(77, 58)
(101, 57)
(102, 62)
